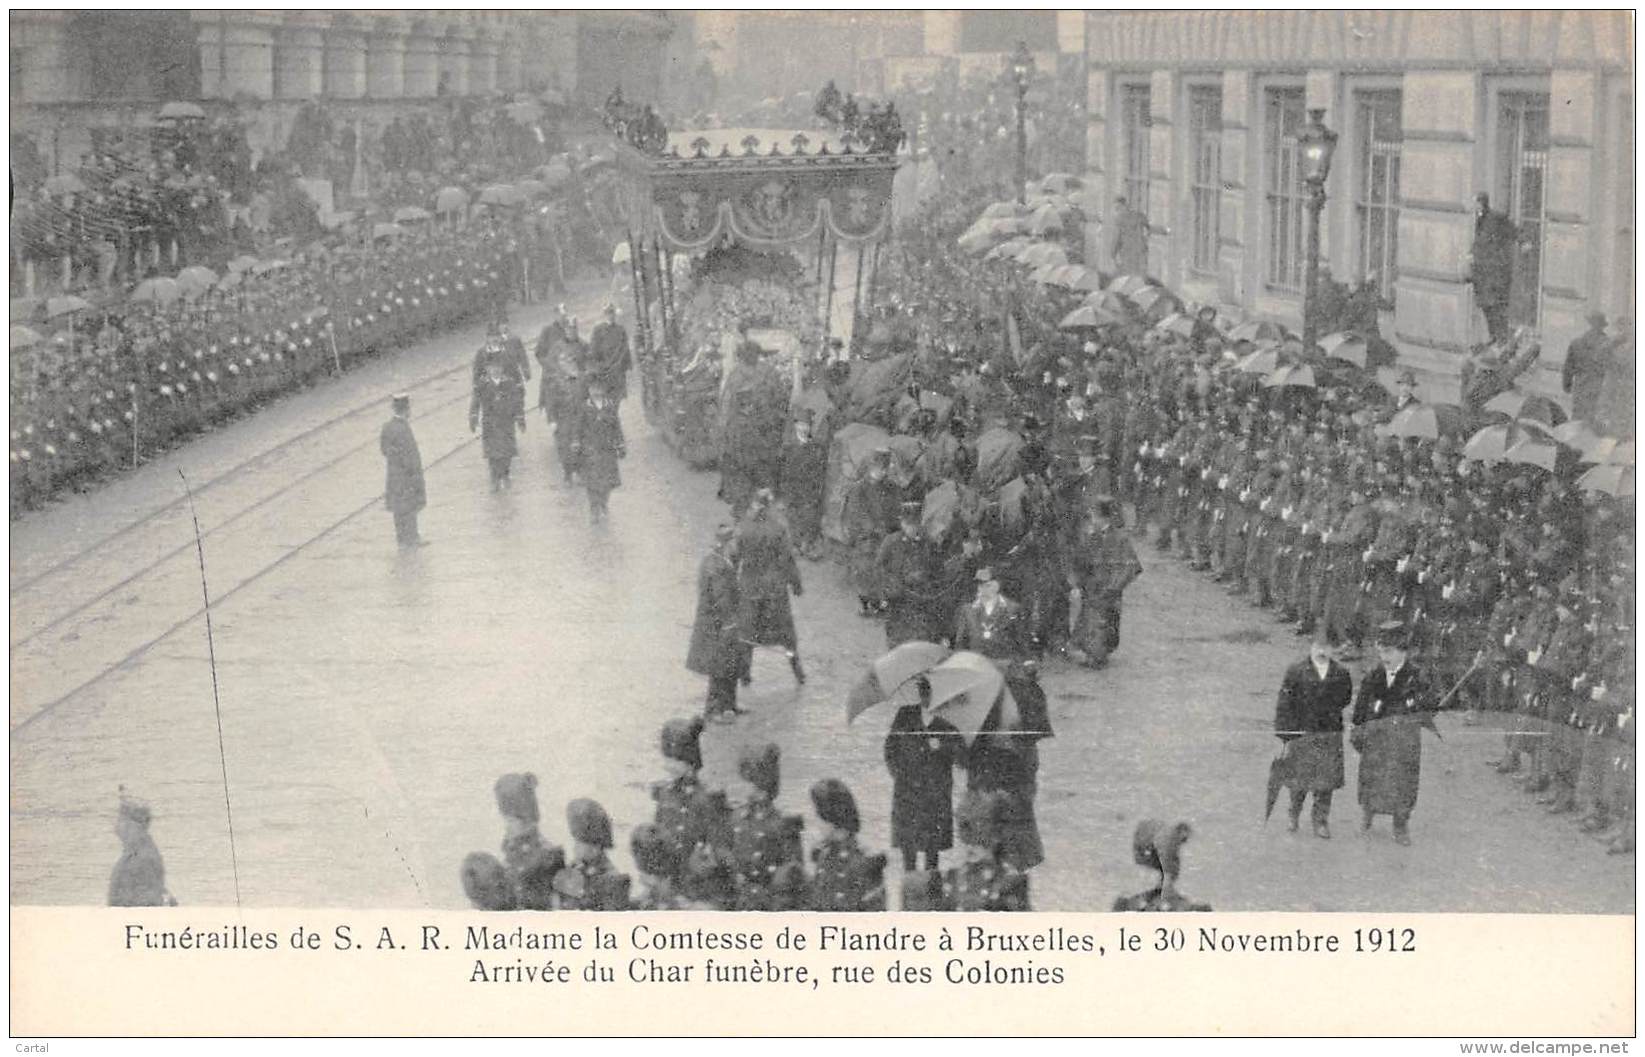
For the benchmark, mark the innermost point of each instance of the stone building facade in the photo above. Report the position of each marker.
(73, 69)
(1193, 116)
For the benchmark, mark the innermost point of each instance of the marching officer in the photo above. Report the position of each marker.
(907, 566)
(716, 649)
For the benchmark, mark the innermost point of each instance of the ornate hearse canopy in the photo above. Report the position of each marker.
(765, 187)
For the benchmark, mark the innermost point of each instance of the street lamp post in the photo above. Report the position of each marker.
(1022, 71)
(1318, 144)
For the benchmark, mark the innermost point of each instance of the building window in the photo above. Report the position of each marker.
(1136, 122)
(1205, 146)
(1376, 190)
(1521, 169)
(1284, 197)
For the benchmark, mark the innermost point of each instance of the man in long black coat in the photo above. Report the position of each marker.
(1492, 272)
(921, 751)
(909, 575)
(1308, 722)
(1390, 711)
(766, 573)
(1587, 361)
(403, 489)
(716, 638)
(610, 356)
(802, 485)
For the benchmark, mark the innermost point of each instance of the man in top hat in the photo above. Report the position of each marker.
(496, 410)
(139, 876)
(690, 816)
(1158, 847)
(598, 447)
(766, 855)
(1313, 696)
(531, 863)
(717, 650)
(1393, 705)
(766, 573)
(844, 877)
(983, 880)
(909, 580)
(590, 882)
(1587, 361)
(403, 489)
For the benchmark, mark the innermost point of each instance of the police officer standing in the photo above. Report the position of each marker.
(403, 490)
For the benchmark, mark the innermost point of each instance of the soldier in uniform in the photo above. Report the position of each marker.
(766, 572)
(531, 862)
(497, 410)
(1392, 707)
(486, 884)
(403, 490)
(716, 636)
(690, 816)
(590, 882)
(766, 855)
(983, 880)
(1158, 847)
(660, 866)
(844, 878)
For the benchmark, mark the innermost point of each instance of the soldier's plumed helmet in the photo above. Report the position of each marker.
(654, 854)
(760, 766)
(485, 882)
(980, 816)
(588, 823)
(681, 740)
(1158, 845)
(517, 796)
(835, 805)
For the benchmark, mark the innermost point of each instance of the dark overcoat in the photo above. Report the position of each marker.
(716, 650)
(599, 445)
(403, 490)
(1493, 250)
(1388, 721)
(766, 572)
(1308, 719)
(802, 484)
(921, 760)
(498, 406)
